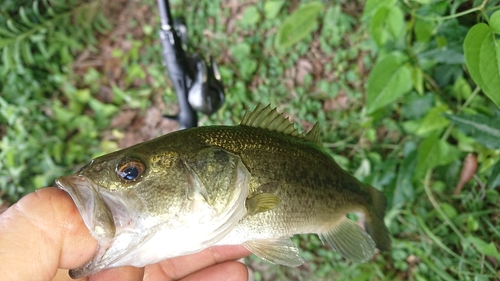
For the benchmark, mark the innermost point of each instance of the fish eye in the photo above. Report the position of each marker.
(131, 170)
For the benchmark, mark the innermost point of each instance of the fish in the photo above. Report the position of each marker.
(255, 184)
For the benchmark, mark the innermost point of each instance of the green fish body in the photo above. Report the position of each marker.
(256, 184)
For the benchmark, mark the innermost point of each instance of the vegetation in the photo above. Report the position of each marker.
(407, 94)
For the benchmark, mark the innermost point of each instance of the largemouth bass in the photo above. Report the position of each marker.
(256, 184)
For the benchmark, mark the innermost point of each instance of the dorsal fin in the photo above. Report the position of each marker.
(268, 118)
(314, 135)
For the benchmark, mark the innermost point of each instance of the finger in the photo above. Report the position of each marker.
(125, 273)
(63, 275)
(41, 233)
(179, 267)
(229, 271)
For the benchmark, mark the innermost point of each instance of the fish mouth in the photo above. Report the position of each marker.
(95, 206)
(95, 213)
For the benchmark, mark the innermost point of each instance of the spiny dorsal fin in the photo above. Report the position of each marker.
(314, 135)
(268, 118)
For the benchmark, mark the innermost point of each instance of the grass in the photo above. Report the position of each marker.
(104, 83)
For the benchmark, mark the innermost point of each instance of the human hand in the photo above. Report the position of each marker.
(43, 233)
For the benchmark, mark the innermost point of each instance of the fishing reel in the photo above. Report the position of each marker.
(206, 93)
(198, 84)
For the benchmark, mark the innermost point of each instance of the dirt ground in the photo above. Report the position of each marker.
(136, 126)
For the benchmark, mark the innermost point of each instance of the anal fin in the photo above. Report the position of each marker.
(350, 240)
(279, 251)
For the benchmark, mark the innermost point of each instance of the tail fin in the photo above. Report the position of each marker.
(374, 220)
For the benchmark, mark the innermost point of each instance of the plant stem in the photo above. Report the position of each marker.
(436, 206)
(480, 8)
(472, 10)
(343, 142)
(470, 98)
(428, 174)
(447, 132)
(461, 13)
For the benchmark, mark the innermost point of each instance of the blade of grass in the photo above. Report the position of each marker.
(436, 239)
(430, 263)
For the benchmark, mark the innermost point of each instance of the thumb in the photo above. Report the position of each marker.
(41, 233)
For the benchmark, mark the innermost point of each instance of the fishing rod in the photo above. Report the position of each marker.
(197, 84)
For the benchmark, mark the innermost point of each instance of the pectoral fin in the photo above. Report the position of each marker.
(261, 202)
(279, 251)
(350, 240)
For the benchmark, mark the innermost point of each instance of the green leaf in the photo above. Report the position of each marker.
(483, 129)
(62, 114)
(7, 58)
(434, 152)
(26, 53)
(417, 78)
(494, 180)
(240, 52)
(423, 1)
(272, 8)
(247, 68)
(395, 22)
(11, 25)
(298, 25)
(495, 22)
(482, 57)
(472, 223)
(388, 80)
(16, 54)
(461, 88)
(24, 17)
(415, 106)
(102, 110)
(487, 249)
(372, 6)
(433, 120)
(7, 33)
(423, 30)
(404, 190)
(448, 210)
(377, 31)
(43, 49)
(387, 21)
(250, 16)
